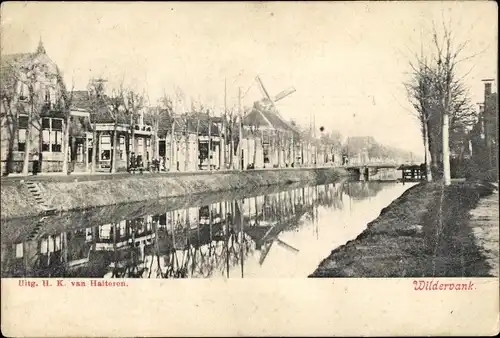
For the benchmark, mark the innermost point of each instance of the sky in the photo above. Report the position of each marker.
(347, 60)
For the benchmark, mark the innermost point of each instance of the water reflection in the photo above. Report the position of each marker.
(281, 234)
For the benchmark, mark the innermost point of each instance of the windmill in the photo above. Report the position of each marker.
(268, 102)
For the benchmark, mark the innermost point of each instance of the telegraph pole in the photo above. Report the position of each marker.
(223, 140)
(240, 153)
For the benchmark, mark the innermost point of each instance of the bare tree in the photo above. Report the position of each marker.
(419, 91)
(133, 102)
(36, 78)
(115, 104)
(440, 98)
(97, 97)
(9, 96)
(66, 102)
(165, 119)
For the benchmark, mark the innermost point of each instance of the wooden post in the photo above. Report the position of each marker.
(86, 154)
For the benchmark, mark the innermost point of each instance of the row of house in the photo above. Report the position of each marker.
(184, 141)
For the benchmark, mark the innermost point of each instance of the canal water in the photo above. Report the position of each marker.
(276, 234)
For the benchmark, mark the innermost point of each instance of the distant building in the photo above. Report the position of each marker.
(484, 135)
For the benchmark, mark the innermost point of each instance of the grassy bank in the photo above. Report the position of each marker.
(423, 233)
(64, 195)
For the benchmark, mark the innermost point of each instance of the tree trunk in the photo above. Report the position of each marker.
(186, 152)
(231, 157)
(113, 150)
(127, 151)
(154, 140)
(254, 150)
(132, 134)
(9, 161)
(27, 143)
(209, 144)
(197, 143)
(94, 149)
(222, 137)
(171, 161)
(72, 155)
(66, 144)
(427, 155)
(240, 143)
(446, 150)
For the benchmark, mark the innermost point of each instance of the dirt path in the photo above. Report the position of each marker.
(485, 227)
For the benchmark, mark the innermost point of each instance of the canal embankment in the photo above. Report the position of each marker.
(429, 231)
(18, 199)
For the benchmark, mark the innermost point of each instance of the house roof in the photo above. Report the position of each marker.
(270, 119)
(16, 59)
(81, 100)
(189, 122)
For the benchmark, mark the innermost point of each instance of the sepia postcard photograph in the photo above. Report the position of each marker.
(249, 168)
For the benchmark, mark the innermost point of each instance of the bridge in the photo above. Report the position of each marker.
(385, 171)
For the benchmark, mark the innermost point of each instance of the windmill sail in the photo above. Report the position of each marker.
(263, 89)
(284, 93)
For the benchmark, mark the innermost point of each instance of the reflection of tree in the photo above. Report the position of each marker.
(363, 190)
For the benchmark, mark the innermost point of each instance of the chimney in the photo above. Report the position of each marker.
(487, 87)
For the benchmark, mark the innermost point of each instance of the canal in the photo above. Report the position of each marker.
(279, 232)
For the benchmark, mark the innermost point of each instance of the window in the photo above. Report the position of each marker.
(56, 141)
(45, 140)
(46, 123)
(21, 140)
(123, 229)
(106, 155)
(52, 134)
(21, 133)
(121, 147)
(105, 147)
(57, 124)
(148, 142)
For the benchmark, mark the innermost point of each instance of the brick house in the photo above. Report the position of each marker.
(29, 84)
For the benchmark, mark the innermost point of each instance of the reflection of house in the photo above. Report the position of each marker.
(45, 102)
